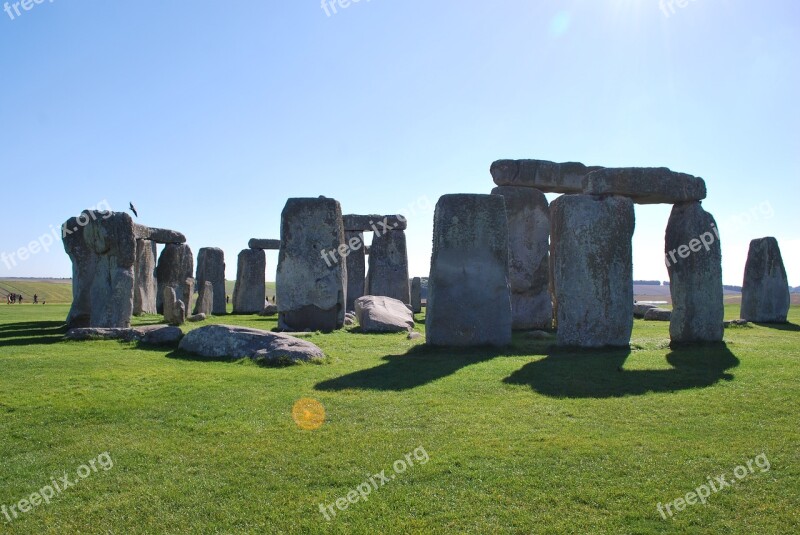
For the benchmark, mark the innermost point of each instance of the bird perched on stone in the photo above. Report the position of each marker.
(133, 209)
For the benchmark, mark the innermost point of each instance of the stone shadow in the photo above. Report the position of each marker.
(571, 373)
(32, 333)
(421, 365)
(792, 327)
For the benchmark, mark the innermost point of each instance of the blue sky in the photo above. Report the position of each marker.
(209, 115)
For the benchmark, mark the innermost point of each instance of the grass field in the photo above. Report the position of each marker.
(527, 440)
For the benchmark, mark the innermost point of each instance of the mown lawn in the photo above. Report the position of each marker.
(527, 440)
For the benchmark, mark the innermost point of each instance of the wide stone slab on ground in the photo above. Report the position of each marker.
(380, 314)
(158, 335)
(229, 341)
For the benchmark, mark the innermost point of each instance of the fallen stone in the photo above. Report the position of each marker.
(195, 318)
(694, 262)
(645, 185)
(765, 290)
(227, 341)
(413, 335)
(266, 245)
(658, 314)
(380, 314)
(374, 223)
(469, 302)
(528, 257)
(147, 335)
(592, 263)
(269, 310)
(546, 176)
(640, 309)
(735, 323)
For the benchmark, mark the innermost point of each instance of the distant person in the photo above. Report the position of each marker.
(227, 299)
(35, 299)
(8, 299)
(20, 299)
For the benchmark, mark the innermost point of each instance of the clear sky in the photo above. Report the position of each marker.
(209, 115)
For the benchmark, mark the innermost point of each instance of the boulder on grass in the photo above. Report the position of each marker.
(380, 314)
(228, 341)
(658, 314)
(640, 309)
(158, 335)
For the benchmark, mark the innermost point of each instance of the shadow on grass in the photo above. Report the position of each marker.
(792, 327)
(421, 365)
(32, 333)
(572, 373)
(600, 374)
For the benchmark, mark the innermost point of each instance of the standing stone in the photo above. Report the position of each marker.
(187, 292)
(312, 275)
(469, 301)
(694, 261)
(592, 267)
(205, 299)
(416, 295)
(84, 265)
(356, 267)
(110, 237)
(175, 265)
(528, 257)
(211, 268)
(388, 266)
(174, 309)
(765, 290)
(250, 290)
(145, 287)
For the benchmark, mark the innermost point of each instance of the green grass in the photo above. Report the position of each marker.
(47, 290)
(527, 440)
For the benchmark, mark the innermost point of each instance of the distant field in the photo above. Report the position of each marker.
(50, 290)
(60, 291)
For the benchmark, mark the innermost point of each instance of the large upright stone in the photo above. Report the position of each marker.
(356, 266)
(175, 265)
(694, 261)
(388, 266)
(205, 299)
(112, 240)
(211, 268)
(592, 269)
(145, 286)
(546, 176)
(645, 185)
(84, 264)
(416, 295)
(528, 256)
(469, 301)
(311, 277)
(250, 290)
(765, 290)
